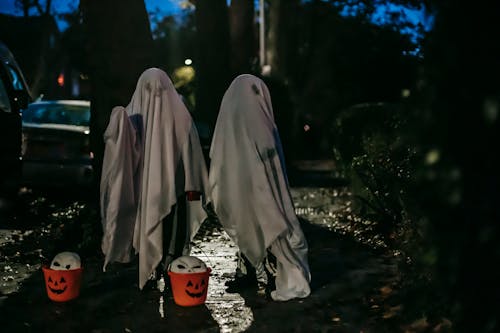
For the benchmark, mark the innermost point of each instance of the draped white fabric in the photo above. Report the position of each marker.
(249, 186)
(158, 159)
(118, 192)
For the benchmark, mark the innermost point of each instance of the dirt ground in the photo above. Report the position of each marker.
(351, 279)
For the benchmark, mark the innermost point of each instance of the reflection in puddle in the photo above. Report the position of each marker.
(161, 287)
(231, 317)
(228, 310)
(13, 269)
(161, 308)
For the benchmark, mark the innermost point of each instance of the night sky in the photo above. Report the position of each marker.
(171, 7)
(165, 7)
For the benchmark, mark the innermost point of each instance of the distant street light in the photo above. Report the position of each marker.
(188, 62)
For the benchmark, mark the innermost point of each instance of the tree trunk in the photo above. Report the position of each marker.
(280, 45)
(241, 19)
(38, 6)
(48, 4)
(25, 6)
(277, 36)
(462, 62)
(212, 63)
(119, 49)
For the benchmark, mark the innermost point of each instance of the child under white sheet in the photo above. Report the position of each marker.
(249, 187)
(152, 158)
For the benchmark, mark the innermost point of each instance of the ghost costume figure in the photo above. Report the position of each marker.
(152, 158)
(249, 186)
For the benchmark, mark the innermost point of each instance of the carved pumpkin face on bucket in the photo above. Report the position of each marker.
(196, 287)
(55, 286)
(63, 278)
(189, 279)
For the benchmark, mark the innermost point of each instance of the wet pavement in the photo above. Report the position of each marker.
(350, 281)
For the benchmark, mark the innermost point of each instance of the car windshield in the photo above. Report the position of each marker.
(64, 114)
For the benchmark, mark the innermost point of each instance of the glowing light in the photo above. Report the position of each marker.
(432, 157)
(60, 80)
(188, 62)
(405, 93)
(490, 109)
(266, 70)
(307, 128)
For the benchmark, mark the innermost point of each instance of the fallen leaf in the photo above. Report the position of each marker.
(419, 325)
(386, 290)
(393, 311)
(444, 326)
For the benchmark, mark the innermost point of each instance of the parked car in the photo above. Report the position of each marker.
(55, 148)
(14, 96)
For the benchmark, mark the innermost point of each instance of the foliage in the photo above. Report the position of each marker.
(370, 141)
(338, 61)
(391, 168)
(184, 81)
(27, 5)
(74, 40)
(174, 40)
(447, 227)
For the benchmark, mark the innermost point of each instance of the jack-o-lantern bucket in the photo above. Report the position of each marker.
(189, 289)
(62, 285)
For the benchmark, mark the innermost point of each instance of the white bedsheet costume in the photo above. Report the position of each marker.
(152, 156)
(249, 186)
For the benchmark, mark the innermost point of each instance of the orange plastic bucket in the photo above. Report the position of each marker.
(189, 289)
(62, 285)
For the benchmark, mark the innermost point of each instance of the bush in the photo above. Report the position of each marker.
(372, 147)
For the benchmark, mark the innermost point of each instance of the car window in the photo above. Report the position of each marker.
(4, 98)
(57, 114)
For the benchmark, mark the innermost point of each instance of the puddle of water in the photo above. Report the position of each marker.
(228, 310)
(13, 273)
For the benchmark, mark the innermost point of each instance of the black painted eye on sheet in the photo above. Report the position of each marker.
(255, 89)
